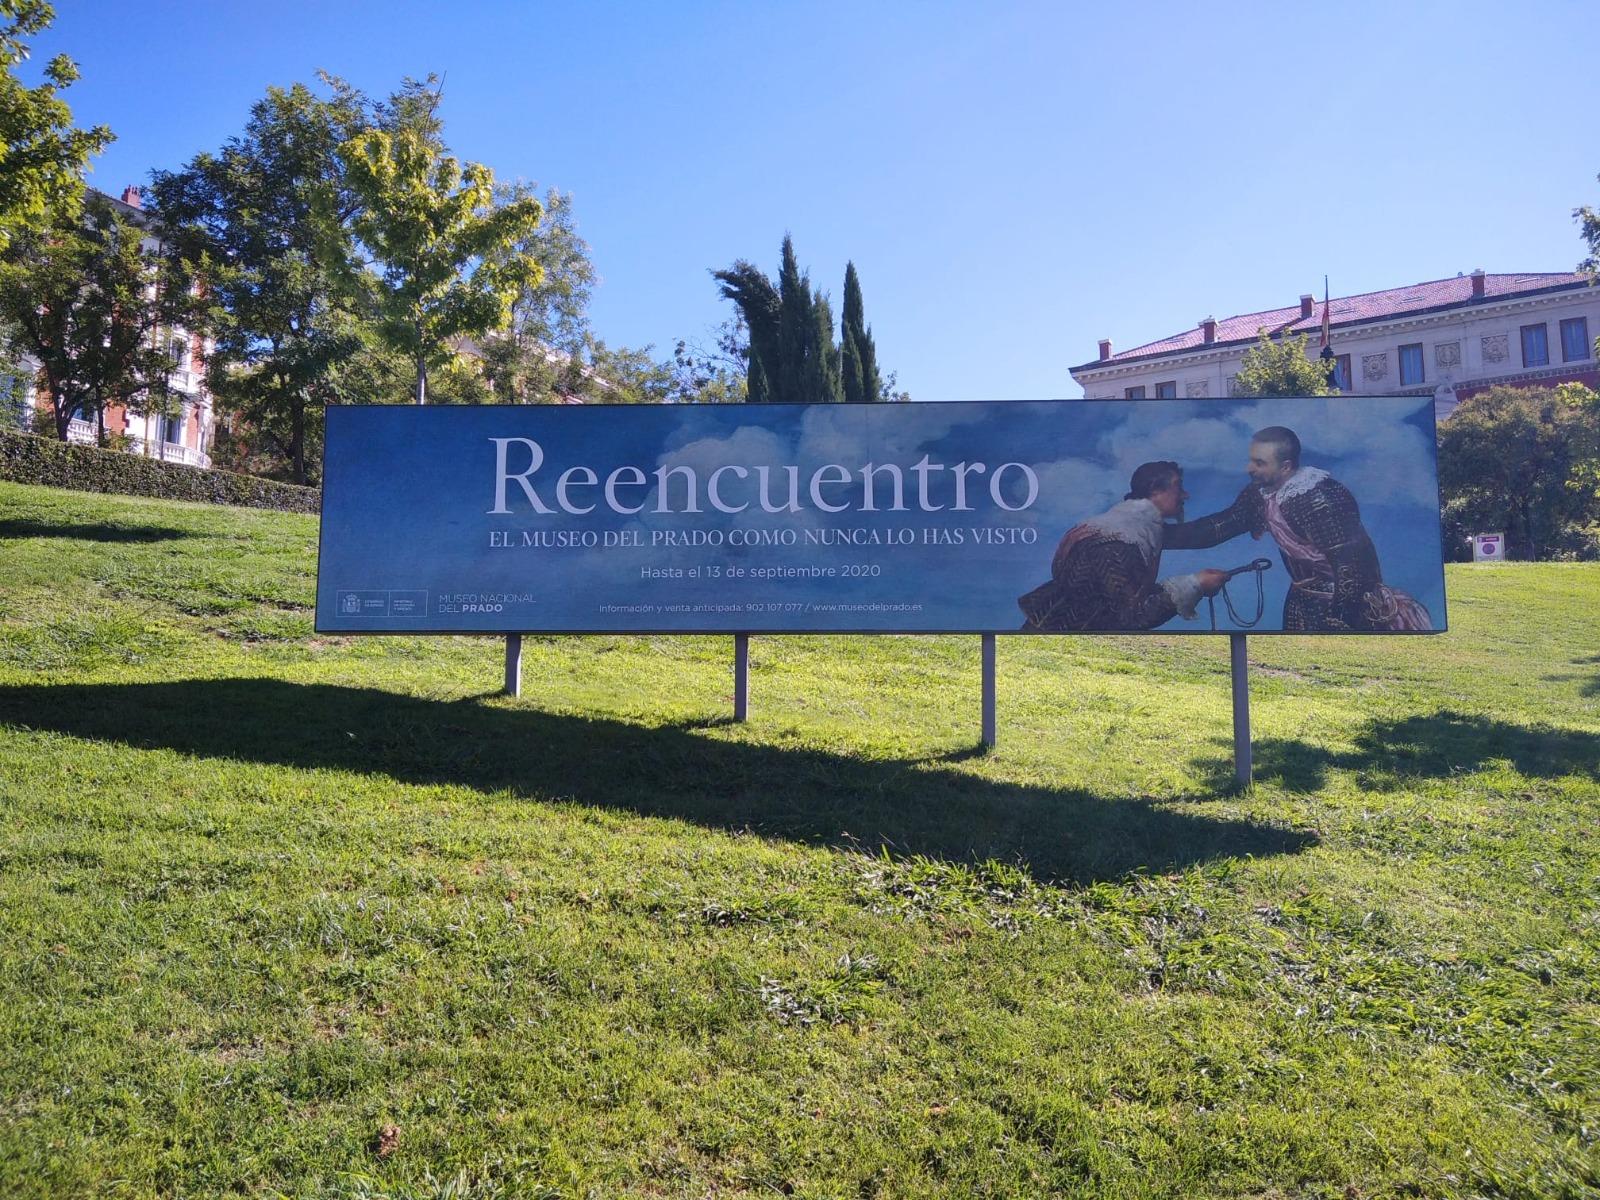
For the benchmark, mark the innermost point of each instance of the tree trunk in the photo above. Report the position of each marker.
(422, 381)
(297, 442)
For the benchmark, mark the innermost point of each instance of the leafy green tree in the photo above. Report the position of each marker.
(540, 356)
(715, 375)
(258, 223)
(858, 353)
(1281, 368)
(1525, 461)
(759, 304)
(1588, 219)
(445, 256)
(42, 157)
(792, 357)
(85, 302)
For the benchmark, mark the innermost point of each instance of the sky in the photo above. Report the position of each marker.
(1013, 181)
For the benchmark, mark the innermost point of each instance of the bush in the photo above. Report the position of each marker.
(25, 458)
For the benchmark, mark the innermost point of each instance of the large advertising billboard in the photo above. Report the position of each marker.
(1314, 515)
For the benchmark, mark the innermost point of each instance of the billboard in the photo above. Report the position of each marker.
(1059, 516)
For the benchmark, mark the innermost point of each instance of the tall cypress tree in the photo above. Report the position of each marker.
(862, 384)
(757, 389)
(796, 330)
(821, 372)
(792, 356)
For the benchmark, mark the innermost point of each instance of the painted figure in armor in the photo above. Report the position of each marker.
(1104, 575)
(1335, 583)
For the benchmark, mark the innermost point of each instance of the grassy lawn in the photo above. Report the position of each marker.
(290, 915)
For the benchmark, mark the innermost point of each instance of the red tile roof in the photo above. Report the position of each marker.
(1352, 310)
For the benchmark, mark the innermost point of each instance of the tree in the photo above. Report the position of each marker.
(257, 224)
(1588, 219)
(86, 302)
(1281, 368)
(42, 157)
(715, 375)
(858, 354)
(759, 304)
(445, 258)
(820, 379)
(538, 357)
(1525, 461)
(792, 356)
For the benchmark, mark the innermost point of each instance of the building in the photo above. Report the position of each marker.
(1448, 338)
(184, 437)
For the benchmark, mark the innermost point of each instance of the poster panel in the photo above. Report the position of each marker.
(1059, 516)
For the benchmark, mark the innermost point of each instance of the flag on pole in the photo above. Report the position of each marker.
(1327, 324)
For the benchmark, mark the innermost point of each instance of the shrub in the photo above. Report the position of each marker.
(25, 458)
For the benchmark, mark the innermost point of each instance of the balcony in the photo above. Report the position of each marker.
(170, 452)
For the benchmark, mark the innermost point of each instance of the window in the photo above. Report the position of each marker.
(1168, 390)
(1411, 365)
(13, 402)
(180, 354)
(172, 429)
(1341, 373)
(1133, 393)
(1575, 339)
(1535, 346)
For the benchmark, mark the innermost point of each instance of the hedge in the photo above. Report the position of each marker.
(25, 458)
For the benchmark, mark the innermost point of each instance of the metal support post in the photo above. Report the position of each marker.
(988, 691)
(513, 664)
(1242, 766)
(741, 676)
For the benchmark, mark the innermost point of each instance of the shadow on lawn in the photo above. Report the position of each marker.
(91, 532)
(1388, 754)
(910, 807)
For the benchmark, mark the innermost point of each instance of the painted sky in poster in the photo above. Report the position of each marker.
(425, 530)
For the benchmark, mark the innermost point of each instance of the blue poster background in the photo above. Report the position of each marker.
(409, 542)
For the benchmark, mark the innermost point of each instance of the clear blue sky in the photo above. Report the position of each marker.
(1013, 181)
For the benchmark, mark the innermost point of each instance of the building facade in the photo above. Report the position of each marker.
(183, 437)
(1449, 338)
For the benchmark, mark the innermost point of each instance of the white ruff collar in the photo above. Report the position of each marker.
(1136, 522)
(1302, 481)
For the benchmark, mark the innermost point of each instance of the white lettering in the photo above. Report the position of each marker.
(569, 479)
(691, 483)
(867, 472)
(794, 490)
(615, 480)
(922, 468)
(962, 470)
(1033, 486)
(501, 477)
(713, 495)
(817, 481)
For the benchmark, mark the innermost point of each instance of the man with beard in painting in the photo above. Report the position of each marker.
(1335, 585)
(1104, 572)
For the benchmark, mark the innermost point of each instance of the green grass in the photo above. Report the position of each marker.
(265, 894)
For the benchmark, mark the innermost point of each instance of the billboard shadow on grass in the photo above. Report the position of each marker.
(1394, 754)
(907, 806)
(92, 531)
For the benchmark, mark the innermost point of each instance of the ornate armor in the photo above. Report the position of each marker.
(1336, 584)
(1099, 583)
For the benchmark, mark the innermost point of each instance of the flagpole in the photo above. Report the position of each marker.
(1329, 359)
